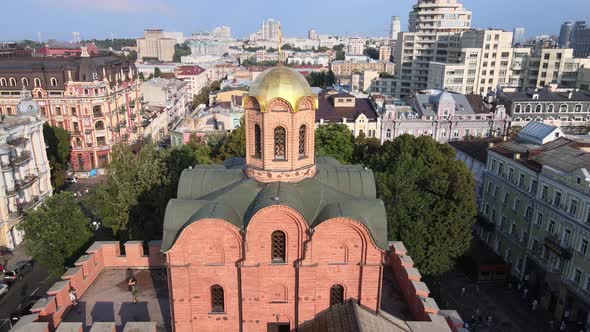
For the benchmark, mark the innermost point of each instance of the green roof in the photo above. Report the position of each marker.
(224, 192)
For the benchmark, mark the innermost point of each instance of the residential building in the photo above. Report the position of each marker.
(197, 77)
(534, 212)
(220, 71)
(395, 27)
(445, 116)
(177, 36)
(356, 46)
(565, 35)
(208, 47)
(554, 65)
(96, 99)
(57, 49)
(384, 85)
(583, 79)
(12, 49)
(358, 114)
(155, 45)
(309, 58)
(270, 30)
(172, 94)
(346, 68)
(579, 26)
(221, 33)
(25, 168)
(362, 82)
(155, 121)
(569, 110)
(582, 44)
(519, 38)
(312, 34)
(385, 53)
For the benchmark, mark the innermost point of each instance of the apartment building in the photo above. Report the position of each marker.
(385, 53)
(155, 45)
(96, 99)
(356, 46)
(432, 26)
(535, 213)
(554, 65)
(346, 68)
(171, 94)
(196, 76)
(358, 114)
(25, 169)
(567, 109)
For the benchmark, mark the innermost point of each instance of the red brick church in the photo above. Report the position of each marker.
(269, 242)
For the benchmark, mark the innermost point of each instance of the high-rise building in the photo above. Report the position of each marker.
(518, 37)
(312, 34)
(582, 44)
(155, 45)
(433, 26)
(579, 26)
(385, 53)
(395, 28)
(75, 37)
(270, 29)
(221, 32)
(565, 34)
(356, 46)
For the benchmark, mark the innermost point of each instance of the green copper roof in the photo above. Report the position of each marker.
(224, 192)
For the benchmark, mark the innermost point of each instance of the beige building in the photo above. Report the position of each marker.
(155, 45)
(25, 178)
(554, 65)
(385, 53)
(433, 24)
(346, 68)
(358, 114)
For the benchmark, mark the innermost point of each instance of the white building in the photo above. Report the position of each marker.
(356, 46)
(395, 28)
(25, 169)
(312, 34)
(177, 36)
(155, 45)
(174, 95)
(197, 77)
(222, 33)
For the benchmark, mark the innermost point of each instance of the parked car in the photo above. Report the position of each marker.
(18, 272)
(71, 179)
(3, 289)
(24, 309)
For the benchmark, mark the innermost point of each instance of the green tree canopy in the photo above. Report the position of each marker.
(372, 53)
(56, 233)
(336, 141)
(180, 50)
(234, 144)
(429, 198)
(157, 72)
(58, 153)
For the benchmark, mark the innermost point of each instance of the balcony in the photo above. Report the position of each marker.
(6, 166)
(29, 204)
(23, 158)
(485, 222)
(26, 182)
(18, 141)
(11, 192)
(562, 249)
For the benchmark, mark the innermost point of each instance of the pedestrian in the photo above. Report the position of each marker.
(566, 316)
(73, 297)
(519, 286)
(535, 303)
(489, 320)
(463, 291)
(525, 292)
(133, 288)
(562, 326)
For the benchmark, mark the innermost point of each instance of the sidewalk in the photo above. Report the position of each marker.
(18, 255)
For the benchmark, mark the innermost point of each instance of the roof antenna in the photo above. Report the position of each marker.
(276, 199)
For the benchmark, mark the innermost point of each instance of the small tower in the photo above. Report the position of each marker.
(280, 120)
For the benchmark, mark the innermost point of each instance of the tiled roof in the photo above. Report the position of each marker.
(328, 112)
(190, 70)
(476, 149)
(545, 95)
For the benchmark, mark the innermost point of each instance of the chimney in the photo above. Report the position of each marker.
(490, 145)
(570, 95)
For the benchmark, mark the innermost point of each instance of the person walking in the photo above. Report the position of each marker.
(525, 292)
(535, 303)
(133, 288)
(73, 297)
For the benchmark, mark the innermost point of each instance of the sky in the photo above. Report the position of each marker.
(57, 19)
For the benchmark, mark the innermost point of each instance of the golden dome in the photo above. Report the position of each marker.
(281, 82)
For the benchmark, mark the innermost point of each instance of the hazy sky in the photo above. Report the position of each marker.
(57, 19)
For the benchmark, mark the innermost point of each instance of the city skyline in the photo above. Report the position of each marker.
(128, 18)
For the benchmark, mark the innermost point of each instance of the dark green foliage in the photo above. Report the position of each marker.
(180, 50)
(336, 141)
(372, 53)
(321, 79)
(132, 56)
(141, 76)
(385, 75)
(322, 49)
(203, 96)
(117, 43)
(29, 43)
(58, 153)
(429, 198)
(57, 232)
(157, 72)
(234, 144)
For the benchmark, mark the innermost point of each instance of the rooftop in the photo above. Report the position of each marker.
(328, 112)
(108, 300)
(190, 70)
(546, 95)
(477, 148)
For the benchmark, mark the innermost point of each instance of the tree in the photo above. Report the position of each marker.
(372, 53)
(340, 55)
(429, 198)
(58, 153)
(132, 56)
(157, 72)
(180, 50)
(141, 76)
(234, 144)
(56, 233)
(322, 49)
(385, 75)
(334, 140)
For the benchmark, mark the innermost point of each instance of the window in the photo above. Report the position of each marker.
(583, 246)
(496, 191)
(557, 199)
(506, 198)
(501, 169)
(58, 110)
(388, 133)
(217, 300)
(538, 109)
(528, 109)
(517, 109)
(280, 142)
(25, 81)
(53, 81)
(257, 142)
(516, 205)
(578, 108)
(278, 247)
(493, 164)
(550, 108)
(99, 125)
(37, 82)
(528, 214)
(551, 228)
(12, 81)
(3, 81)
(534, 186)
(544, 192)
(521, 180)
(336, 295)
(302, 139)
(539, 220)
(573, 207)
(577, 276)
(563, 108)
(97, 111)
(510, 173)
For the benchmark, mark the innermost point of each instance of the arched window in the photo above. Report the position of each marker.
(302, 139)
(280, 143)
(37, 82)
(278, 247)
(57, 110)
(97, 111)
(257, 142)
(550, 108)
(388, 133)
(53, 81)
(99, 125)
(78, 143)
(578, 108)
(12, 81)
(528, 109)
(538, 109)
(217, 299)
(563, 108)
(517, 119)
(25, 81)
(39, 94)
(336, 295)
(2, 81)
(517, 109)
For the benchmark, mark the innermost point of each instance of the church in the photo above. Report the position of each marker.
(269, 241)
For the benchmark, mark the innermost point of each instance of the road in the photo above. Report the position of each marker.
(35, 282)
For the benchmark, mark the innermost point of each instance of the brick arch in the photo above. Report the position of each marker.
(305, 103)
(279, 105)
(251, 103)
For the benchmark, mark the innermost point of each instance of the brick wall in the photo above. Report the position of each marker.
(99, 256)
